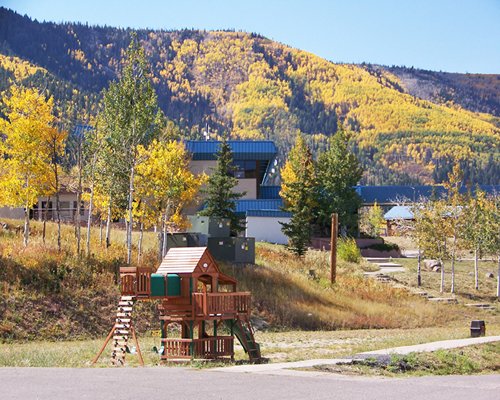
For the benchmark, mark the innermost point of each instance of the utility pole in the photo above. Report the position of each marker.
(333, 248)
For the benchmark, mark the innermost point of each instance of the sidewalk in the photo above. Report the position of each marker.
(279, 368)
(433, 346)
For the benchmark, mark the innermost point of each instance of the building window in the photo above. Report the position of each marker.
(245, 169)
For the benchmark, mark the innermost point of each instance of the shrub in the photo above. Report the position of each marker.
(347, 250)
(384, 246)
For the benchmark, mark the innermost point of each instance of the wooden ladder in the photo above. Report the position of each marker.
(120, 333)
(252, 347)
(121, 330)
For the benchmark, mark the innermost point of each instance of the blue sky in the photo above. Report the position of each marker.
(447, 35)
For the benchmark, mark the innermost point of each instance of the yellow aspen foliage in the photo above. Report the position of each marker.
(164, 184)
(20, 68)
(27, 126)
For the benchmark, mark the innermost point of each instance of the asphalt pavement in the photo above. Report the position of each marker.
(181, 383)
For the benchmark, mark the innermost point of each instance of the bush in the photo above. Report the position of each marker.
(347, 250)
(384, 246)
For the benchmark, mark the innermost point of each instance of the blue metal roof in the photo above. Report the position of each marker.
(269, 213)
(242, 149)
(269, 192)
(242, 206)
(398, 212)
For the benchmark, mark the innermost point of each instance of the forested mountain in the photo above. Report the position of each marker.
(408, 126)
(474, 92)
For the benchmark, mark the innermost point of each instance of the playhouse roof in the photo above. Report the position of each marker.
(186, 260)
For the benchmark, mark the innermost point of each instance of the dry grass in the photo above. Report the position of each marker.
(464, 280)
(288, 297)
(57, 296)
(54, 295)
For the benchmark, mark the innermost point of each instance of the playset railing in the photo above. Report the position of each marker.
(206, 348)
(176, 348)
(135, 281)
(221, 303)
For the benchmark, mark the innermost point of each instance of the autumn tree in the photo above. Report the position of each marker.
(220, 195)
(93, 168)
(491, 231)
(432, 230)
(338, 171)
(164, 185)
(54, 143)
(130, 119)
(473, 237)
(29, 122)
(372, 220)
(453, 217)
(76, 143)
(298, 191)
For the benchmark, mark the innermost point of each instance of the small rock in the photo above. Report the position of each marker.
(431, 264)
(490, 275)
(259, 324)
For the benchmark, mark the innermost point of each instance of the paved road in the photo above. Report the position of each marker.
(179, 383)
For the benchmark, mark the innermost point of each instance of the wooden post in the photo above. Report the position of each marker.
(141, 360)
(104, 345)
(333, 249)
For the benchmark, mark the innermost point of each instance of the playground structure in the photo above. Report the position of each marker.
(196, 296)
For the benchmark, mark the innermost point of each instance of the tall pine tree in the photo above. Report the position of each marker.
(298, 190)
(338, 172)
(221, 198)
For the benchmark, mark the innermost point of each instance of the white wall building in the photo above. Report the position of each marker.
(264, 225)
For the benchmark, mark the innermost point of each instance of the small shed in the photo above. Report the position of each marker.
(397, 213)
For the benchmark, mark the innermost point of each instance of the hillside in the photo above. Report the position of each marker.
(474, 92)
(255, 88)
(51, 295)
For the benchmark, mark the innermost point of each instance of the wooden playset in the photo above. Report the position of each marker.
(194, 294)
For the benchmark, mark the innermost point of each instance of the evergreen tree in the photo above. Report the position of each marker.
(221, 199)
(338, 171)
(298, 191)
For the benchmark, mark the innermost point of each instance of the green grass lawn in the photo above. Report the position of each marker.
(276, 346)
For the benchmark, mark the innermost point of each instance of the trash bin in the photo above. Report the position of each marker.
(477, 328)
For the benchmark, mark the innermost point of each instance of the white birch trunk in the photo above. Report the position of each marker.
(130, 216)
(58, 217)
(419, 268)
(108, 226)
(26, 225)
(89, 219)
(100, 229)
(139, 244)
(476, 269)
(442, 276)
